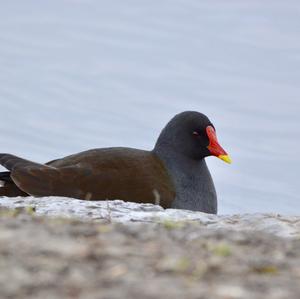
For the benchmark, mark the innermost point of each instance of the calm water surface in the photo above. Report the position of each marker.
(84, 74)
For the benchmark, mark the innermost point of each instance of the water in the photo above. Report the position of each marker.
(83, 74)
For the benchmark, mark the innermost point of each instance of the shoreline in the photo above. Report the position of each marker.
(118, 211)
(58, 257)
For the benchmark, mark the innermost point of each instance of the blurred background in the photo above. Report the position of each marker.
(82, 74)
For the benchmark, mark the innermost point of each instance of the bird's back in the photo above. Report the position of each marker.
(98, 174)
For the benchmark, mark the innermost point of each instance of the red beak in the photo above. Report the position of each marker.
(214, 146)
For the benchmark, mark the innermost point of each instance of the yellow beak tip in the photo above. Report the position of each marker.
(225, 158)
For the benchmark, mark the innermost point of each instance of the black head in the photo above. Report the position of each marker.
(191, 134)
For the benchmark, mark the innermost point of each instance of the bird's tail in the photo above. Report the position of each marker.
(8, 187)
(26, 177)
(5, 177)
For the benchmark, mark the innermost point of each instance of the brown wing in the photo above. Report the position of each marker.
(30, 177)
(114, 173)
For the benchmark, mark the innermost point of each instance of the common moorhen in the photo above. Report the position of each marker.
(174, 174)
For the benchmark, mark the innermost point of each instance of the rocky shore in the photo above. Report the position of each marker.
(118, 211)
(123, 250)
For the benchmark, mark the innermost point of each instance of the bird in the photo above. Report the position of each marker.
(174, 174)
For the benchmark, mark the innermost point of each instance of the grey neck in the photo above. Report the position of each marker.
(193, 183)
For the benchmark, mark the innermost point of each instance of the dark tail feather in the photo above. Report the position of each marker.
(7, 186)
(11, 190)
(22, 174)
(5, 177)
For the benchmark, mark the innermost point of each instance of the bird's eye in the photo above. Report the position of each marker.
(195, 133)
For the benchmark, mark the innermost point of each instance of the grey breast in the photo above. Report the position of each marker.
(193, 183)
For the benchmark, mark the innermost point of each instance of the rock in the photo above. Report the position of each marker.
(127, 212)
(47, 257)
